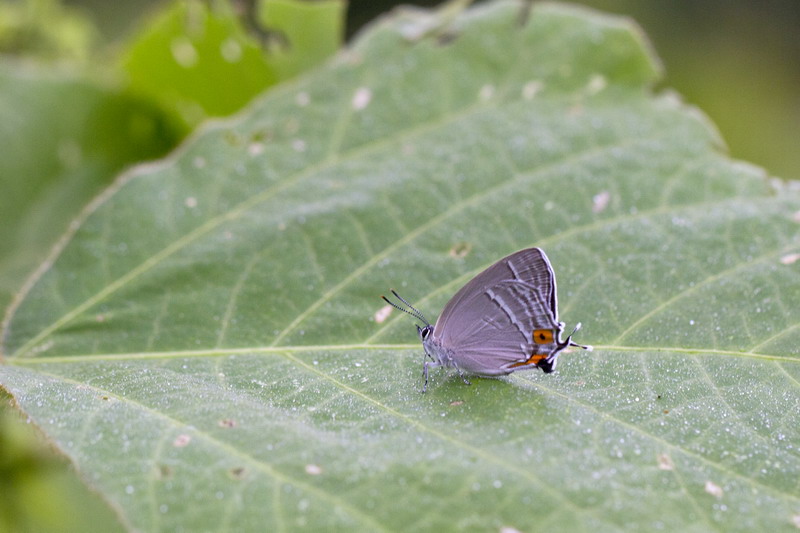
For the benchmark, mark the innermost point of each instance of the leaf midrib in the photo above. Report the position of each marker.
(283, 350)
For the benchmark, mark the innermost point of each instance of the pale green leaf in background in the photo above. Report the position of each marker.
(305, 33)
(40, 493)
(45, 29)
(199, 60)
(208, 346)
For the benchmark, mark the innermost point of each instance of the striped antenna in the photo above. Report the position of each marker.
(413, 310)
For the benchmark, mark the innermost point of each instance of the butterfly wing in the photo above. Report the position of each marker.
(505, 318)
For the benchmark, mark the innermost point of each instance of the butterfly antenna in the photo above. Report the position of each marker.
(414, 311)
(417, 311)
(587, 347)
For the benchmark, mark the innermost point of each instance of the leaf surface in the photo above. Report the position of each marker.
(210, 350)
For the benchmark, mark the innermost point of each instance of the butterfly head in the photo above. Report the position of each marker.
(424, 332)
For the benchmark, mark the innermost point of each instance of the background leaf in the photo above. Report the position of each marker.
(206, 349)
(40, 492)
(305, 33)
(200, 60)
(45, 29)
(62, 140)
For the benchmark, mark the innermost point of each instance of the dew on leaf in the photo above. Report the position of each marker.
(531, 89)
(361, 98)
(313, 470)
(486, 92)
(597, 83)
(713, 489)
(600, 201)
(256, 148)
(182, 440)
(382, 314)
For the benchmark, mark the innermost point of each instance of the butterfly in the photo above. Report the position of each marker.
(504, 320)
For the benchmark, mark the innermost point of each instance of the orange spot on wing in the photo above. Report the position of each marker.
(543, 336)
(533, 360)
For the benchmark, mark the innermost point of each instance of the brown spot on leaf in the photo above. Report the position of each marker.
(460, 250)
(665, 462)
(164, 472)
(238, 472)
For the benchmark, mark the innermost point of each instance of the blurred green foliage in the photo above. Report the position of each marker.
(41, 494)
(739, 62)
(198, 60)
(46, 30)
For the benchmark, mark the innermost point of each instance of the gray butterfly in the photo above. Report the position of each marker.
(505, 319)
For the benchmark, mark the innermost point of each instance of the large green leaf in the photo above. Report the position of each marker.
(209, 347)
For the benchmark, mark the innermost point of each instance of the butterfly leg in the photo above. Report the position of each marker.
(463, 377)
(425, 375)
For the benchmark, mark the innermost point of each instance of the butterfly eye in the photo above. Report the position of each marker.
(425, 332)
(543, 336)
